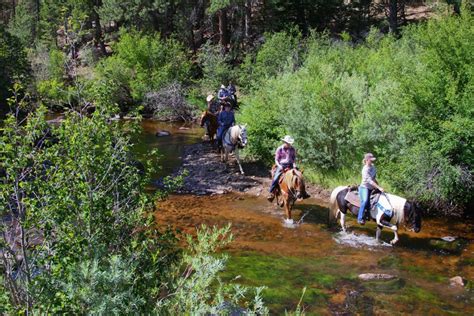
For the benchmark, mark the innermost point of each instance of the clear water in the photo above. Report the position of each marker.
(286, 257)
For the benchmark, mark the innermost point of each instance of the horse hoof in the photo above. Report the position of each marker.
(393, 242)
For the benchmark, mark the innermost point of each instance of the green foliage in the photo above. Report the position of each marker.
(215, 68)
(13, 65)
(76, 186)
(280, 52)
(409, 101)
(142, 64)
(23, 24)
(196, 288)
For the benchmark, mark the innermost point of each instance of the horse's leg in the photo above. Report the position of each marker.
(395, 237)
(343, 221)
(238, 159)
(286, 205)
(378, 232)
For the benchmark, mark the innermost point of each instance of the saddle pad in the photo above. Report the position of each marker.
(353, 198)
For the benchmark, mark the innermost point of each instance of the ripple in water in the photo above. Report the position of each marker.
(358, 241)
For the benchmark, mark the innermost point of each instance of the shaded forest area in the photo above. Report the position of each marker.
(80, 33)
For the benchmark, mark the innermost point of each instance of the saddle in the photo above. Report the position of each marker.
(352, 197)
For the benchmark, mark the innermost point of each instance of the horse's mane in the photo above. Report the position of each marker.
(291, 176)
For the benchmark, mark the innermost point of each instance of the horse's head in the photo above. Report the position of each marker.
(298, 184)
(413, 216)
(242, 136)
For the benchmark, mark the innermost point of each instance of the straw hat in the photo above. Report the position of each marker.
(288, 139)
(209, 98)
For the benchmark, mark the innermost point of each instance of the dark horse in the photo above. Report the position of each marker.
(403, 211)
(210, 120)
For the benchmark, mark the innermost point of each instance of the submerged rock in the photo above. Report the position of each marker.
(162, 133)
(449, 238)
(376, 276)
(457, 281)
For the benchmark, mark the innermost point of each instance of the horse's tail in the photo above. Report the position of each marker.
(333, 206)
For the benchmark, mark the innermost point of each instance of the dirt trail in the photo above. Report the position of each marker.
(208, 175)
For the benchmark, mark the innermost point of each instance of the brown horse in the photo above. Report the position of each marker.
(291, 189)
(210, 120)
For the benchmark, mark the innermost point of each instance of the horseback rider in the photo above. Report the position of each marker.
(285, 158)
(223, 93)
(212, 109)
(212, 106)
(225, 120)
(368, 184)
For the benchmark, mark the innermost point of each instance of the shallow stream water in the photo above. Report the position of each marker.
(321, 258)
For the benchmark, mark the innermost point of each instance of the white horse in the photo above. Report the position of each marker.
(390, 211)
(234, 138)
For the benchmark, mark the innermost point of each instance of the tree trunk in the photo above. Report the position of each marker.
(223, 32)
(248, 19)
(301, 16)
(98, 38)
(393, 16)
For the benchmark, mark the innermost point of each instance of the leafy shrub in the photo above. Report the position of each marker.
(215, 68)
(13, 65)
(408, 100)
(281, 51)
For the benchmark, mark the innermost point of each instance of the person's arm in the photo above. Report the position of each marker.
(368, 178)
(277, 158)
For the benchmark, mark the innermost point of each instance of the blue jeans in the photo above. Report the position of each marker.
(364, 197)
(276, 176)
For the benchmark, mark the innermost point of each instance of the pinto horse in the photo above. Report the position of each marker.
(291, 189)
(233, 139)
(210, 121)
(402, 212)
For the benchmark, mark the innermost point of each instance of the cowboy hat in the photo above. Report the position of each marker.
(288, 139)
(209, 98)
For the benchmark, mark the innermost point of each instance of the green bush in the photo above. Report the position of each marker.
(141, 64)
(13, 66)
(408, 100)
(281, 51)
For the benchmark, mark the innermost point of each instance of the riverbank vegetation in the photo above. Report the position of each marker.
(74, 199)
(408, 100)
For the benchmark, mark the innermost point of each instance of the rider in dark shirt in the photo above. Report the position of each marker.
(225, 119)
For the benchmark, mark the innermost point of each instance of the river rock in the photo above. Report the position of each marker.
(162, 133)
(453, 246)
(376, 276)
(457, 281)
(449, 238)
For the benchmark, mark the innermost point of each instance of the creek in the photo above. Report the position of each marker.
(318, 257)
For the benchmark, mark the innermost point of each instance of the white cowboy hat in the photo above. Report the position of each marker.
(222, 86)
(209, 98)
(288, 139)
